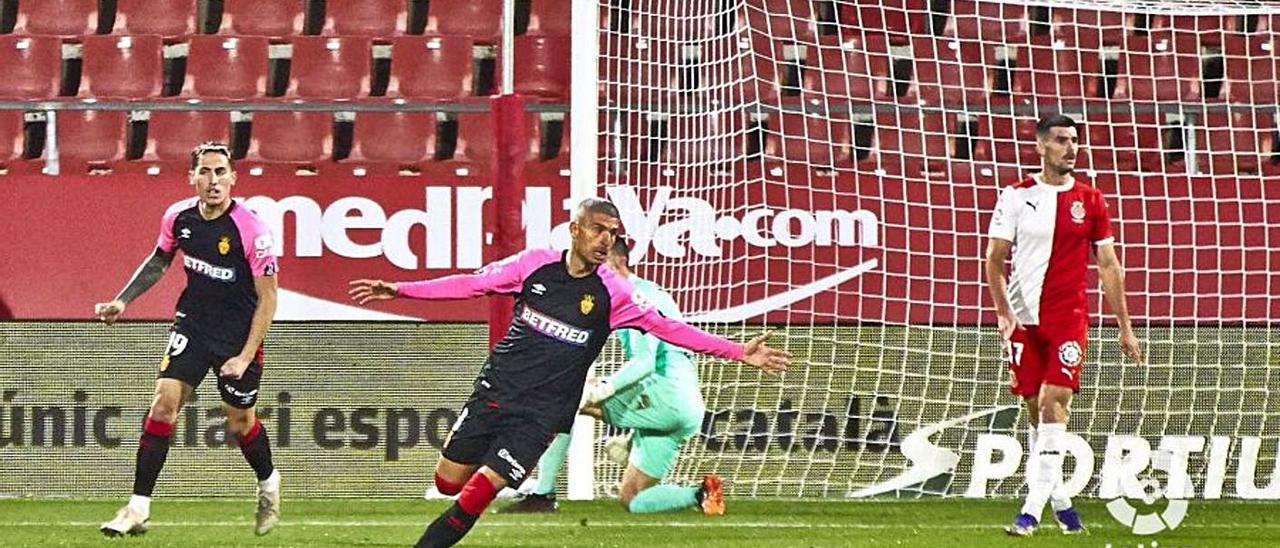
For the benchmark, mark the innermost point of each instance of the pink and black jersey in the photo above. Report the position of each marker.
(560, 324)
(1052, 228)
(221, 257)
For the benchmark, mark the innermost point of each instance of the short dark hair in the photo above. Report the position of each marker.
(207, 147)
(1056, 120)
(597, 205)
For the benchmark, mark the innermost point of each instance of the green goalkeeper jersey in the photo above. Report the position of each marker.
(646, 354)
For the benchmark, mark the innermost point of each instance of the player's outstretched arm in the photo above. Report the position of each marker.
(754, 353)
(501, 277)
(1111, 273)
(150, 272)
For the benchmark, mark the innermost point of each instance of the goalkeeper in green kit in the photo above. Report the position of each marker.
(655, 395)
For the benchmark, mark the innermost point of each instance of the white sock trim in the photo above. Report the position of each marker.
(141, 505)
(272, 483)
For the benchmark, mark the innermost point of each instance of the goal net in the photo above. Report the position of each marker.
(826, 169)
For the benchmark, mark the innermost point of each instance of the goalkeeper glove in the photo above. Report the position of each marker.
(597, 390)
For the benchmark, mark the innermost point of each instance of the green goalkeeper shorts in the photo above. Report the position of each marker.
(664, 415)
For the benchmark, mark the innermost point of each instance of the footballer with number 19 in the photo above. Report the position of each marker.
(221, 320)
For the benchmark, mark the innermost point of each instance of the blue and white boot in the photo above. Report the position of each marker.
(1024, 525)
(1069, 521)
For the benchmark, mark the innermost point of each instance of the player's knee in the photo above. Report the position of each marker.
(164, 410)
(239, 424)
(447, 486)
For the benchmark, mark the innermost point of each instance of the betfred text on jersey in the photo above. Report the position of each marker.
(219, 273)
(554, 328)
(675, 226)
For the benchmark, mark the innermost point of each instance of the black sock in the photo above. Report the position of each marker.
(153, 448)
(257, 450)
(447, 529)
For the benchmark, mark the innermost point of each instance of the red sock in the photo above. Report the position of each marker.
(447, 487)
(477, 494)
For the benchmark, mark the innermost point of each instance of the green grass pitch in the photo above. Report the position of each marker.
(316, 523)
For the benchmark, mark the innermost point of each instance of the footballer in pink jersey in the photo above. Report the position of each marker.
(221, 320)
(532, 381)
(1051, 220)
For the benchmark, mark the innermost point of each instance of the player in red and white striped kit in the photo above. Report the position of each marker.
(1054, 218)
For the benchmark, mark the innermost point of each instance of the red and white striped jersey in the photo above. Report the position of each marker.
(1051, 228)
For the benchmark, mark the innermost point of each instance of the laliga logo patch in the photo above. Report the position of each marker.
(1077, 211)
(224, 245)
(588, 303)
(1152, 520)
(1069, 353)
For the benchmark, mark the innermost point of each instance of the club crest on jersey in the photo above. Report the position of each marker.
(224, 245)
(1069, 353)
(1077, 211)
(588, 303)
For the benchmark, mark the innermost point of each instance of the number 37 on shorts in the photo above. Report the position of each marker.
(1036, 359)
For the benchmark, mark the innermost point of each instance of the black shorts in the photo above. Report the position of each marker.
(509, 443)
(188, 359)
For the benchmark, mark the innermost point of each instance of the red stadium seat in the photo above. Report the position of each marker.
(672, 21)
(1235, 143)
(550, 18)
(90, 136)
(1012, 140)
(704, 141)
(1157, 68)
(947, 75)
(541, 67)
(475, 138)
(436, 68)
(1252, 67)
(854, 71)
(479, 19)
(394, 138)
(330, 68)
(993, 22)
(127, 67)
(227, 67)
(1090, 28)
(783, 20)
(537, 126)
(638, 70)
(171, 134)
(1045, 72)
(381, 18)
(1125, 142)
(291, 137)
(259, 18)
(1207, 29)
(910, 144)
(57, 17)
(896, 20)
(161, 17)
(11, 127)
(32, 66)
(817, 140)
